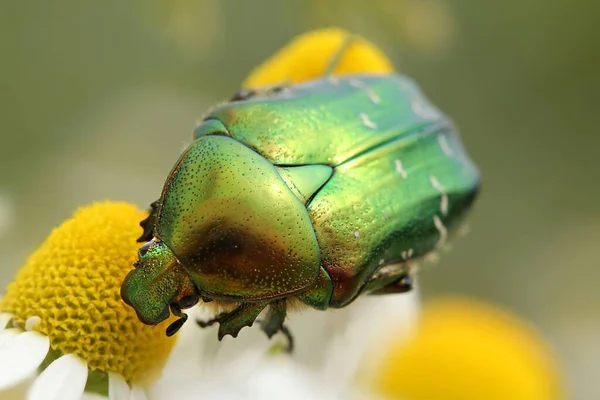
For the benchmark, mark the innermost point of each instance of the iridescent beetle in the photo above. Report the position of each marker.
(317, 192)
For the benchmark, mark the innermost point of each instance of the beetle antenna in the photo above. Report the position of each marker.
(176, 326)
(337, 57)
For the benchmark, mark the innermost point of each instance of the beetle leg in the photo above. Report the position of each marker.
(290, 339)
(243, 94)
(211, 322)
(403, 284)
(244, 315)
(148, 223)
(273, 323)
(230, 323)
(391, 278)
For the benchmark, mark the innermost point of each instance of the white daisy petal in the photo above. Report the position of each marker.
(32, 322)
(137, 393)
(20, 357)
(64, 379)
(373, 320)
(4, 320)
(118, 389)
(8, 334)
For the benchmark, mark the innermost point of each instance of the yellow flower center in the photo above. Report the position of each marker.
(467, 350)
(309, 55)
(72, 282)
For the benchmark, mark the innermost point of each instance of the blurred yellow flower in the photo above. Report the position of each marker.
(64, 308)
(309, 55)
(467, 350)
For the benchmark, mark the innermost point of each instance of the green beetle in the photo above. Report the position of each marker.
(316, 192)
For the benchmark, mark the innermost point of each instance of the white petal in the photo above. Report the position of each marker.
(32, 322)
(374, 319)
(8, 334)
(280, 377)
(4, 320)
(137, 393)
(20, 356)
(270, 377)
(64, 379)
(118, 389)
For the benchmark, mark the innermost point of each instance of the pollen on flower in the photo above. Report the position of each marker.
(72, 283)
(309, 55)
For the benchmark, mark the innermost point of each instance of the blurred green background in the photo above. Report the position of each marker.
(97, 99)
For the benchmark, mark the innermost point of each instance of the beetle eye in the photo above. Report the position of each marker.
(144, 249)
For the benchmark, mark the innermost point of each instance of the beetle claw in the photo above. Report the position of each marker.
(290, 339)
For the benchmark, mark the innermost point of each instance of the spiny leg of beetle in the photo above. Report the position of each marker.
(148, 223)
(211, 322)
(230, 323)
(273, 323)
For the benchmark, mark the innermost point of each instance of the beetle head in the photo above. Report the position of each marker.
(158, 283)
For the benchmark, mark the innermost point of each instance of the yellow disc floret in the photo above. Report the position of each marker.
(308, 56)
(72, 282)
(467, 350)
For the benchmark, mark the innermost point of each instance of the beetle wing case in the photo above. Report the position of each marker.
(401, 178)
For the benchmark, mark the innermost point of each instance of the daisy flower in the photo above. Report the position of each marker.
(63, 317)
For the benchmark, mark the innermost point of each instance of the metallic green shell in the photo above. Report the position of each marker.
(234, 225)
(327, 121)
(401, 177)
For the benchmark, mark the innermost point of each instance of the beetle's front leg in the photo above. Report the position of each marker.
(148, 223)
(230, 323)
